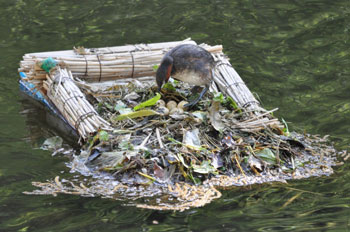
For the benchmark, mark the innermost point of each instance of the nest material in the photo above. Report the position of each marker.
(215, 138)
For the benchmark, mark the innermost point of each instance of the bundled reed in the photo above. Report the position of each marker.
(105, 63)
(72, 104)
(231, 84)
(228, 81)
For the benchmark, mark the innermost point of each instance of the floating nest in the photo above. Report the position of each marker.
(142, 145)
(164, 149)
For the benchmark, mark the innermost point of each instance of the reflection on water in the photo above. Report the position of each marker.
(42, 124)
(293, 54)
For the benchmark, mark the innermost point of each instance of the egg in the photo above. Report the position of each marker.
(182, 104)
(162, 110)
(160, 102)
(176, 111)
(171, 105)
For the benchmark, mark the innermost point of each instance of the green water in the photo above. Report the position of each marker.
(293, 54)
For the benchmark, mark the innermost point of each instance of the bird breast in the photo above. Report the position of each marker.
(191, 77)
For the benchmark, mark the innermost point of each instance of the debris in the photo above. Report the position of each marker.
(52, 144)
(214, 115)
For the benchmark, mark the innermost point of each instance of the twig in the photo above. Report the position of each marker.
(159, 138)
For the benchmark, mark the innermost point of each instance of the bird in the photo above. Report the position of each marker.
(188, 63)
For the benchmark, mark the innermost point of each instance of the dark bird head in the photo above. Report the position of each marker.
(164, 71)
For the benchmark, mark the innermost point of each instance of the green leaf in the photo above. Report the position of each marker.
(196, 148)
(125, 111)
(122, 108)
(125, 145)
(99, 107)
(136, 114)
(155, 67)
(233, 104)
(218, 97)
(195, 180)
(147, 176)
(120, 131)
(169, 86)
(119, 105)
(149, 102)
(285, 129)
(174, 140)
(109, 107)
(181, 159)
(267, 155)
(200, 114)
(204, 168)
(103, 135)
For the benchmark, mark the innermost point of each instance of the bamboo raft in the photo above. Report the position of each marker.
(121, 63)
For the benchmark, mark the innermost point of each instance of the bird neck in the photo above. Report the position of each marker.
(165, 68)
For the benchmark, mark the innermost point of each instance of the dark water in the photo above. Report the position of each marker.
(293, 54)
